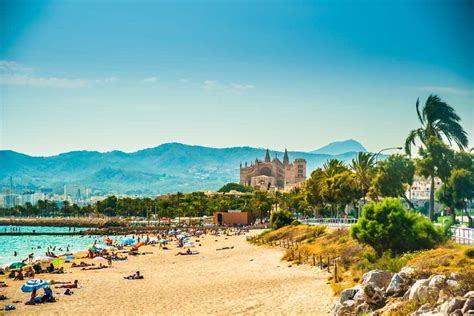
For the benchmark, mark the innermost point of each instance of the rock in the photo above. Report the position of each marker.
(415, 288)
(348, 294)
(343, 309)
(426, 308)
(443, 296)
(469, 294)
(453, 286)
(398, 285)
(456, 313)
(438, 281)
(372, 295)
(407, 272)
(377, 278)
(469, 305)
(335, 309)
(362, 309)
(453, 304)
(358, 298)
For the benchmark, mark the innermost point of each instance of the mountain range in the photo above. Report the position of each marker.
(167, 168)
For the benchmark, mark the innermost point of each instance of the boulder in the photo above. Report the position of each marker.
(438, 281)
(415, 288)
(469, 305)
(443, 296)
(335, 308)
(398, 285)
(377, 278)
(407, 272)
(358, 298)
(453, 286)
(372, 295)
(469, 294)
(343, 309)
(453, 304)
(362, 309)
(348, 294)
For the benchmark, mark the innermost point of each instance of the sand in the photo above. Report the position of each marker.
(247, 280)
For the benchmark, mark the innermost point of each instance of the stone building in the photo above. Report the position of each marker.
(274, 174)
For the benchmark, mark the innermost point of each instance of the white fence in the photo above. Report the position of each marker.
(461, 235)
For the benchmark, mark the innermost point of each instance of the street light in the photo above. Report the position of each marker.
(385, 149)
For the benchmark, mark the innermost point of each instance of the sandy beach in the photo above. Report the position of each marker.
(244, 280)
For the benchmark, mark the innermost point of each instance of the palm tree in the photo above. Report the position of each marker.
(439, 120)
(363, 167)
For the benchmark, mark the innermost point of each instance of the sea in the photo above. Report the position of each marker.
(38, 245)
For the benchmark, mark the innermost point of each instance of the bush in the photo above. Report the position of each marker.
(469, 252)
(295, 222)
(281, 218)
(388, 226)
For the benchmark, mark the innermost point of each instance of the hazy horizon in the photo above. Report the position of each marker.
(297, 75)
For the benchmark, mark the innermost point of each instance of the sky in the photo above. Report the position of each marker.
(127, 75)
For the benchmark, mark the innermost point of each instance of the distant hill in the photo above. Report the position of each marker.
(341, 147)
(163, 169)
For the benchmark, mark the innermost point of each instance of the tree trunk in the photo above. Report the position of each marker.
(469, 217)
(410, 203)
(432, 198)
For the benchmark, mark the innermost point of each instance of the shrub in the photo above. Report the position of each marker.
(469, 252)
(295, 222)
(388, 226)
(281, 218)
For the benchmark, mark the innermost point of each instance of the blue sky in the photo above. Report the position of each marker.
(105, 75)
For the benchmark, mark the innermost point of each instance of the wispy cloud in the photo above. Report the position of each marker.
(7, 66)
(184, 80)
(233, 87)
(13, 73)
(446, 89)
(150, 79)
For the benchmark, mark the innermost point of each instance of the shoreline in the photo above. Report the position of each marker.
(246, 279)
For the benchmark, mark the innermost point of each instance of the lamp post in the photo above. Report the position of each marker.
(385, 149)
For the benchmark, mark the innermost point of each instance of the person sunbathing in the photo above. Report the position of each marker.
(101, 266)
(188, 252)
(59, 271)
(135, 276)
(69, 285)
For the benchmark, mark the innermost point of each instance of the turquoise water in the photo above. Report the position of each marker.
(24, 245)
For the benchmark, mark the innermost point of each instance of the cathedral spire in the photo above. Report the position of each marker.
(267, 156)
(286, 161)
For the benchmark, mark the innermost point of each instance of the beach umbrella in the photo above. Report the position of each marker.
(46, 258)
(98, 258)
(57, 261)
(31, 285)
(69, 257)
(17, 265)
(128, 241)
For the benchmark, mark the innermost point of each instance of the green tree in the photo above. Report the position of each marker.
(394, 177)
(435, 161)
(363, 166)
(235, 186)
(388, 226)
(281, 218)
(438, 120)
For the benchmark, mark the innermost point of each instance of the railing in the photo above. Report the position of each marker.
(463, 235)
(330, 222)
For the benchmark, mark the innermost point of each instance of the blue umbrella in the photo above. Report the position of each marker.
(69, 257)
(36, 284)
(128, 241)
